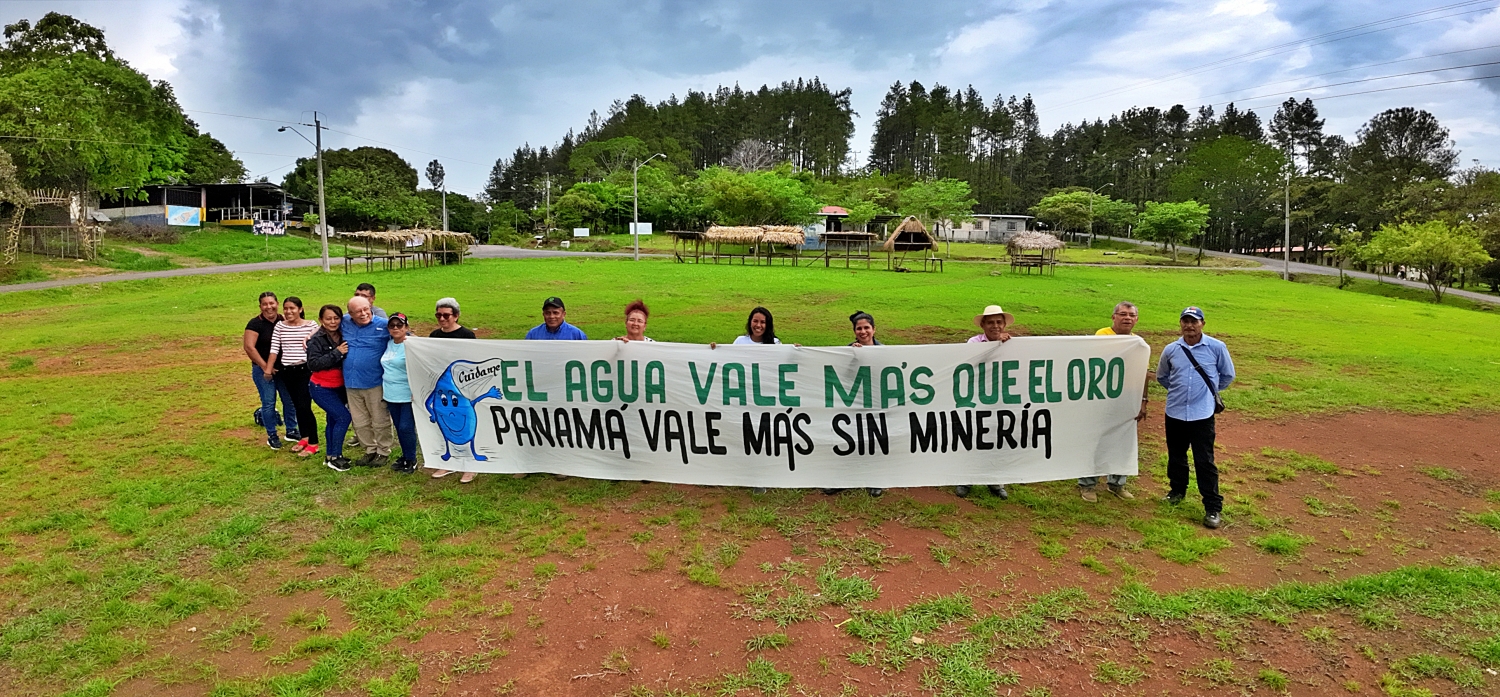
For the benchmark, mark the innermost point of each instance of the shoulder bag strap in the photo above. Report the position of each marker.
(1218, 403)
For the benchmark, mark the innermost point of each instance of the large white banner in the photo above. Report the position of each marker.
(1031, 409)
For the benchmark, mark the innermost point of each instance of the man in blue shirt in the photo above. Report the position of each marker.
(367, 336)
(554, 325)
(1192, 397)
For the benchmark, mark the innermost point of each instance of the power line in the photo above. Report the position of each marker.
(1368, 79)
(402, 147)
(1391, 89)
(1345, 70)
(1285, 47)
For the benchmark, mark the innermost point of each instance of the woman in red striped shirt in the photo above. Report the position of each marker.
(289, 344)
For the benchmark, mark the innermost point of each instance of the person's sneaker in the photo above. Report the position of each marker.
(404, 467)
(1173, 499)
(292, 436)
(831, 492)
(758, 490)
(337, 464)
(1211, 521)
(961, 491)
(874, 492)
(370, 460)
(273, 442)
(1088, 494)
(1120, 491)
(999, 491)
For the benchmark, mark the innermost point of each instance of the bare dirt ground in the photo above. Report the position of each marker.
(611, 620)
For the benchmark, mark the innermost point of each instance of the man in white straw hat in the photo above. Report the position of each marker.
(994, 321)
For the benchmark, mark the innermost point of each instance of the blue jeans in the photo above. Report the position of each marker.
(406, 428)
(331, 399)
(268, 390)
(1114, 479)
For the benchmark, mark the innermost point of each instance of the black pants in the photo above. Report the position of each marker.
(1199, 435)
(296, 377)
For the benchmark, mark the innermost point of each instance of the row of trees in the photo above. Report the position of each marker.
(76, 116)
(73, 115)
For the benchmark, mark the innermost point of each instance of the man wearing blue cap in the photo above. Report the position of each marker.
(1194, 369)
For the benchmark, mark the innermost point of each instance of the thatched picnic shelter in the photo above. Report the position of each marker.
(757, 242)
(1033, 250)
(392, 249)
(911, 236)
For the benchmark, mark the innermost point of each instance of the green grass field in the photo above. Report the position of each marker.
(153, 544)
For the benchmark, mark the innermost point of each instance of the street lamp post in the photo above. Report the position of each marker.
(635, 203)
(1092, 194)
(317, 126)
(1286, 242)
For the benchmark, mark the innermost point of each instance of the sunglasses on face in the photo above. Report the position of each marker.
(441, 315)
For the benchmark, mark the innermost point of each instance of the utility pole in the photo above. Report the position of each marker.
(317, 126)
(445, 206)
(1286, 242)
(547, 212)
(635, 203)
(1092, 194)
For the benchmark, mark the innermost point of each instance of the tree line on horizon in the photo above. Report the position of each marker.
(76, 115)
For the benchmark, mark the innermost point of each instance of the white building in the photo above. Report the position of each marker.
(986, 227)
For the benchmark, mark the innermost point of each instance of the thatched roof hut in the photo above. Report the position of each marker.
(747, 234)
(1033, 240)
(910, 236)
(408, 236)
(783, 234)
(753, 234)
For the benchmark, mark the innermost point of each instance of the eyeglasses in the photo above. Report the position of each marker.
(441, 315)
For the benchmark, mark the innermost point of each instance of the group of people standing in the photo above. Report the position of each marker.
(351, 362)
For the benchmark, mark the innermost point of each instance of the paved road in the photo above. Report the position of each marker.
(1297, 267)
(481, 251)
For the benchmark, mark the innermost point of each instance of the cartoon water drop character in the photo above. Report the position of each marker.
(454, 413)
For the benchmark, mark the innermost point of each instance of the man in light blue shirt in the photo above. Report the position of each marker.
(554, 324)
(1192, 401)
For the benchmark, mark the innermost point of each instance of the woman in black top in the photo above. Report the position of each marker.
(864, 335)
(257, 343)
(448, 326)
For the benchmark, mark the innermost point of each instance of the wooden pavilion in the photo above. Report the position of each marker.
(911, 236)
(1034, 250)
(393, 249)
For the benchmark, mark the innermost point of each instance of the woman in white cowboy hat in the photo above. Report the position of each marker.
(994, 321)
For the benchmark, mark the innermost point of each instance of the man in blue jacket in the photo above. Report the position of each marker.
(554, 324)
(367, 336)
(1194, 369)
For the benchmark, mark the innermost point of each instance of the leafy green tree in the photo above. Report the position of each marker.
(591, 204)
(464, 213)
(1434, 249)
(1172, 224)
(774, 197)
(600, 158)
(1069, 210)
(302, 181)
(1396, 149)
(1237, 179)
(373, 198)
(938, 201)
(209, 162)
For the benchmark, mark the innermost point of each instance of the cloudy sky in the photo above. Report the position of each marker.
(467, 81)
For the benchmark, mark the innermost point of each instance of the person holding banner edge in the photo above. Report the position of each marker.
(1122, 323)
(447, 312)
(636, 316)
(994, 321)
(864, 335)
(1194, 369)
